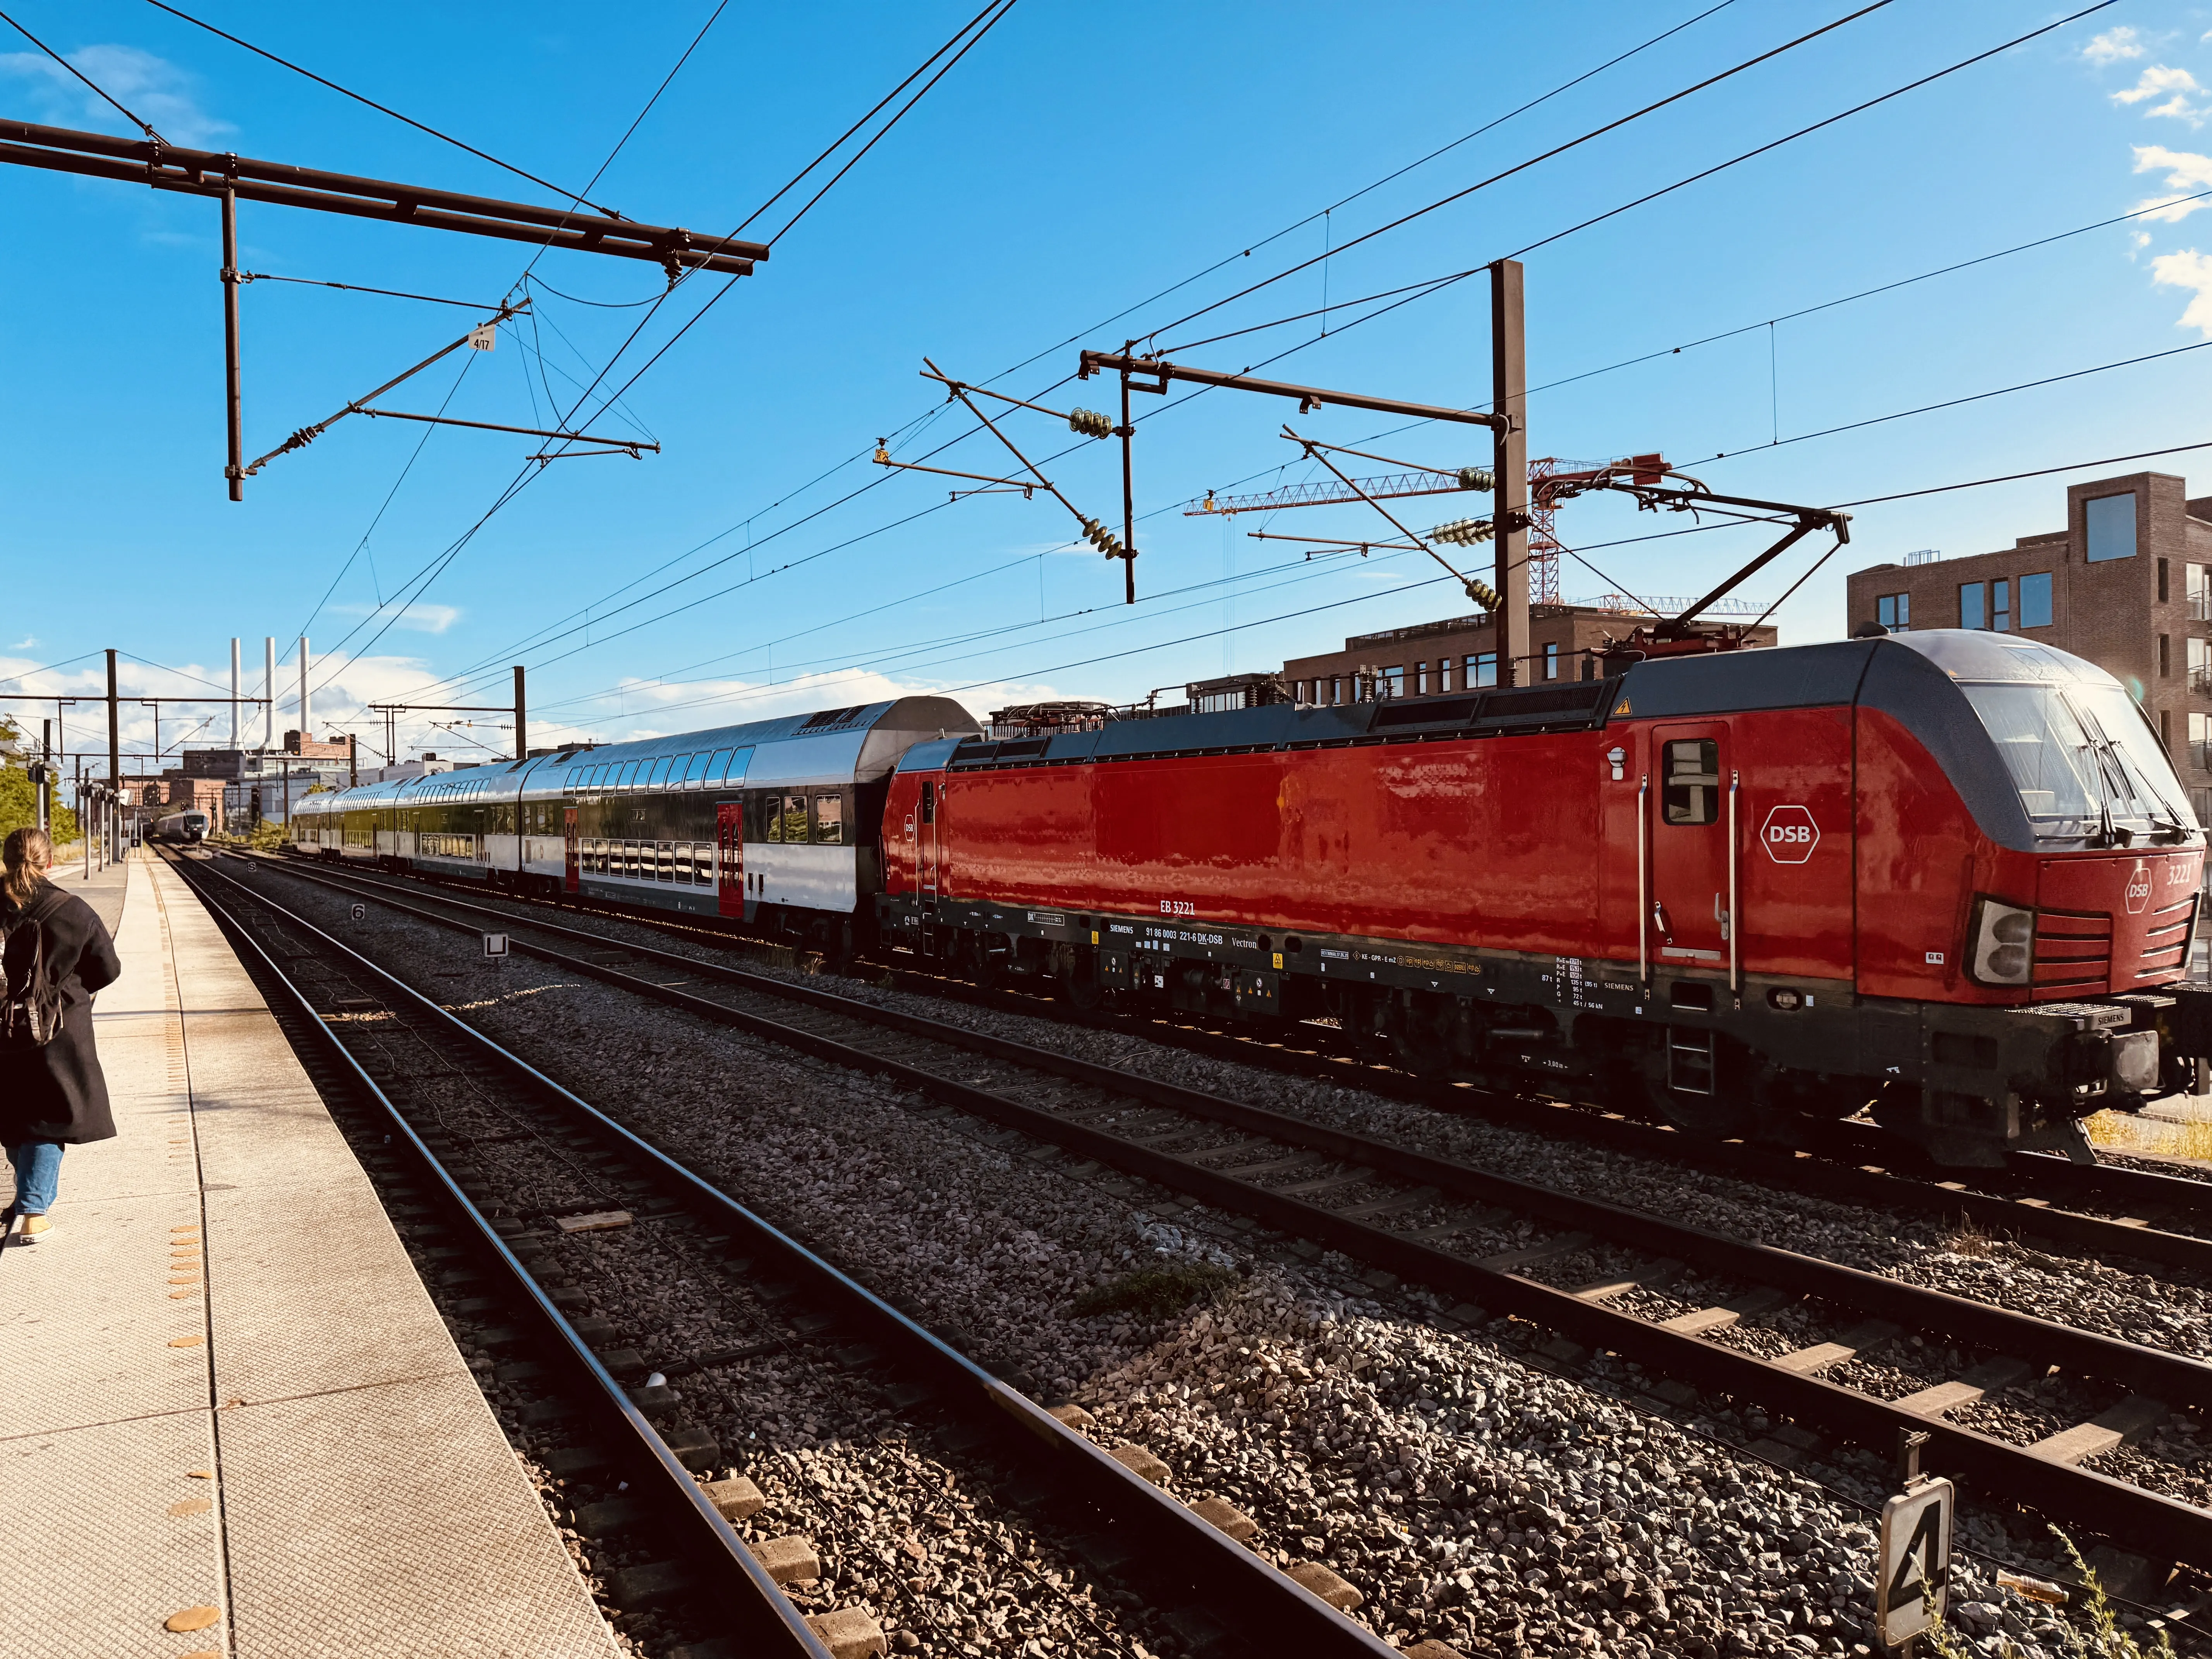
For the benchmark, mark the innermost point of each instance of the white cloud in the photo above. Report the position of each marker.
(415, 618)
(2190, 270)
(25, 643)
(2186, 174)
(154, 89)
(2112, 45)
(2160, 79)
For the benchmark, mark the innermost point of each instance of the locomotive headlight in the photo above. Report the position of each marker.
(2003, 943)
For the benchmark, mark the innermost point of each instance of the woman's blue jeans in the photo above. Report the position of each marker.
(38, 1174)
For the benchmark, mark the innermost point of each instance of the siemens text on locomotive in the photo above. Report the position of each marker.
(1948, 875)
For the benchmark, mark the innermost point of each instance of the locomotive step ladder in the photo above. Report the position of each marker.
(1689, 1061)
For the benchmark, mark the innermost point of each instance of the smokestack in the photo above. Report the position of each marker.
(269, 693)
(306, 727)
(236, 736)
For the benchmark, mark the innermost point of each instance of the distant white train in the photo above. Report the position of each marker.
(183, 828)
(774, 824)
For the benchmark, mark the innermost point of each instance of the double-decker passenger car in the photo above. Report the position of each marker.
(1950, 873)
(773, 823)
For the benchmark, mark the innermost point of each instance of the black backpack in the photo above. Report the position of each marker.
(31, 1012)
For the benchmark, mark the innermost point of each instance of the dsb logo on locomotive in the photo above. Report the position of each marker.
(1789, 835)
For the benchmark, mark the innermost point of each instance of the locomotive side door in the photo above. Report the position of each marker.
(927, 850)
(1687, 920)
(730, 868)
(572, 877)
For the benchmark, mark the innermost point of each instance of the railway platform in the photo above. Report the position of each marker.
(233, 1422)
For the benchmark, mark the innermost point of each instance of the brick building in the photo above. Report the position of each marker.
(2127, 584)
(1461, 654)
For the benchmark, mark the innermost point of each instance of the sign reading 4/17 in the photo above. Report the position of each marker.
(1916, 1560)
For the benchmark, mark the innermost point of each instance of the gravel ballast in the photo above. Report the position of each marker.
(1468, 1492)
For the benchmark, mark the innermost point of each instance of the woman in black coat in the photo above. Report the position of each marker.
(52, 1096)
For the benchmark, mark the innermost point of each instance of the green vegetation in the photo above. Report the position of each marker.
(1155, 1292)
(19, 798)
(2095, 1634)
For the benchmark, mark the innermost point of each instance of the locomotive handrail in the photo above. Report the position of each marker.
(1642, 878)
(1734, 917)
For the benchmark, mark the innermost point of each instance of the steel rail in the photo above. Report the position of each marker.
(2149, 1519)
(1851, 1166)
(759, 1611)
(1272, 1607)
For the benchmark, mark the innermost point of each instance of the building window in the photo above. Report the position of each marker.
(1393, 682)
(1894, 612)
(1970, 604)
(2200, 802)
(1550, 662)
(2001, 606)
(2161, 581)
(2200, 740)
(2035, 600)
(1421, 679)
(2200, 662)
(1482, 670)
(1444, 673)
(2109, 522)
(1335, 689)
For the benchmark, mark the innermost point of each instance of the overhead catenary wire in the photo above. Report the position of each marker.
(1428, 287)
(98, 91)
(1575, 143)
(1397, 172)
(383, 109)
(997, 11)
(1831, 120)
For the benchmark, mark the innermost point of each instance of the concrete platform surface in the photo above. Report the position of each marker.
(236, 1426)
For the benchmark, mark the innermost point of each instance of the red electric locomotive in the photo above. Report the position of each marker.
(1949, 874)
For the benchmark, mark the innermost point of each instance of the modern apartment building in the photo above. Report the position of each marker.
(2127, 584)
(1461, 654)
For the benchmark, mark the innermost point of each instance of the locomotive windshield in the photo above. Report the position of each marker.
(2084, 756)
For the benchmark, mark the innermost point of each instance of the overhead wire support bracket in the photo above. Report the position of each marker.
(1096, 533)
(882, 458)
(210, 173)
(1309, 397)
(1481, 593)
(307, 434)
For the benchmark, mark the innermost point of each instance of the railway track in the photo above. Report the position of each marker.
(1674, 1299)
(1189, 1563)
(2102, 1209)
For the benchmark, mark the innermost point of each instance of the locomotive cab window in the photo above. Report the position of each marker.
(1692, 793)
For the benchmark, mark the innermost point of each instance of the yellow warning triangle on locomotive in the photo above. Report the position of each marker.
(1624, 709)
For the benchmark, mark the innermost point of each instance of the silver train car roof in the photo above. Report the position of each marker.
(854, 745)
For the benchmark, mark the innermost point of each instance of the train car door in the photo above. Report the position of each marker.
(1687, 919)
(730, 843)
(927, 851)
(572, 879)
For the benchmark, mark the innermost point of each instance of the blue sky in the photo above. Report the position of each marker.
(1077, 161)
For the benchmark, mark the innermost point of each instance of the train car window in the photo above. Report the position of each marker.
(629, 771)
(929, 803)
(770, 808)
(717, 768)
(1693, 792)
(682, 854)
(696, 774)
(791, 821)
(664, 860)
(829, 819)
